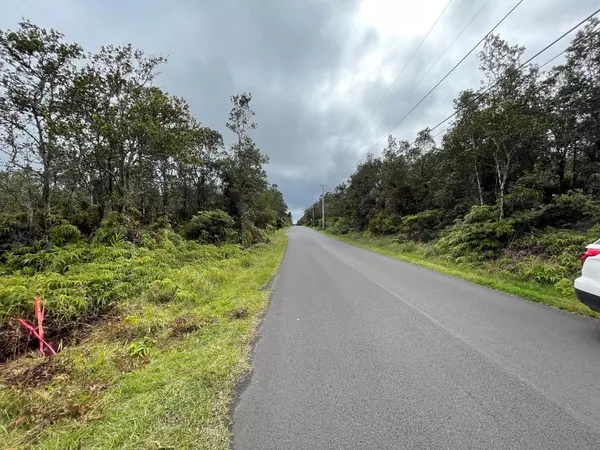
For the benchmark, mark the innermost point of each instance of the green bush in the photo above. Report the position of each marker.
(340, 226)
(162, 291)
(551, 242)
(573, 209)
(14, 230)
(383, 225)
(522, 198)
(421, 226)
(482, 213)
(86, 219)
(209, 227)
(564, 286)
(480, 235)
(280, 222)
(254, 235)
(112, 230)
(64, 234)
(540, 270)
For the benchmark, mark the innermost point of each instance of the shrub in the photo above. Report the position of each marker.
(551, 242)
(64, 233)
(480, 235)
(421, 226)
(14, 230)
(112, 230)
(86, 219)
(571, 209)
(522, 198)
(254, 235)
(209, 227)
(564, 286)
(540, 270)
(161, 223)
(341, 226)
(280, 223)
(383, 225)
(482, 213)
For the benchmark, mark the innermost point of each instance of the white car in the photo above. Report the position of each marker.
(587, 286)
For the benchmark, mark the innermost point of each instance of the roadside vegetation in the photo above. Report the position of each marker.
(149, 242)
(159, 371)
(533, 280)
(511, 195)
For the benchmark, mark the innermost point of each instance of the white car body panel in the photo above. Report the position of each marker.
(587, 286)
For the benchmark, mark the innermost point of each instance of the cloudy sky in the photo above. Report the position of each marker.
(316, 68)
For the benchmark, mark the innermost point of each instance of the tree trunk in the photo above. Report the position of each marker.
(561, 175)
(165, 198)
(478, 180)
(46, 203)
(502, 199)
(574, 169)
(241, 211)
(500, 185)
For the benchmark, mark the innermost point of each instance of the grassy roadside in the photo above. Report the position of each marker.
(486, 274)
(160, 375)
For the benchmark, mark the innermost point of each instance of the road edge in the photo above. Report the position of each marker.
(244, 380)
(521, 293)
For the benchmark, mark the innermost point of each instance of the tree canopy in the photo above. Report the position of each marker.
(84, 135)
(524, 146)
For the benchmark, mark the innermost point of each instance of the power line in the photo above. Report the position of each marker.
(427, 72)
(481, 94)
(439, 82)
(401, 72)
(553, 58)
(453, 68)
(539, 67)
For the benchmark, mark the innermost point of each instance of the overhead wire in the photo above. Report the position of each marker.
(427, 71)
(439, 82)
(553, 58)
(401, 72)
(485, 91)
(539, 67)
(482, 93)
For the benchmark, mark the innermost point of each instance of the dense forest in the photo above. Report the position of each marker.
(516, 176)
(87, 135)
(95, 156)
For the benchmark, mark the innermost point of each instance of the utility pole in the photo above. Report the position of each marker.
(323, 186)
(313, 210)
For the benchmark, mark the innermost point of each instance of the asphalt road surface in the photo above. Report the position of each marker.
(360, 351)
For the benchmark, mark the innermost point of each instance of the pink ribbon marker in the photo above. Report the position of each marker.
(40, 312)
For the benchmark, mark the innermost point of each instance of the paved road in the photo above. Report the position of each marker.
(362, 351)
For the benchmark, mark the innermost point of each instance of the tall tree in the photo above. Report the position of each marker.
(37, 70)
(245, 176)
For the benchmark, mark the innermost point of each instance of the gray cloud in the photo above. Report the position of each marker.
(294, 56)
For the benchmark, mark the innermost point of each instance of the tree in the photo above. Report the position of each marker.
(244, 175)
(523, 149)
(362, 192)
(509, 127)
(394, 195)
(90, 138)
(37, 72)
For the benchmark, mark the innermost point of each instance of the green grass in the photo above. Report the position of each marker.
(488, 274)
(160, 375)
